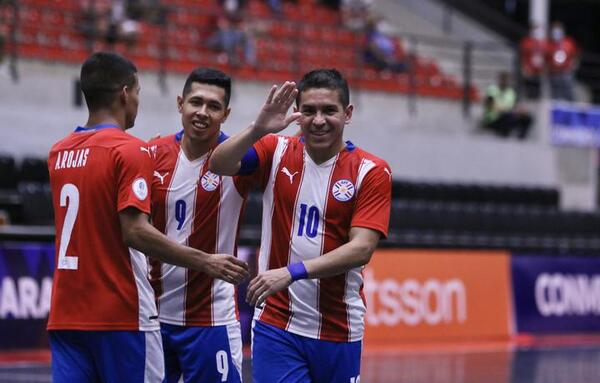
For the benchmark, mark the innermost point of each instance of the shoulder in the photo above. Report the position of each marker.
(368, 162)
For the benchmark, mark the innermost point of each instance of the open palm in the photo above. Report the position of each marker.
(273, 116)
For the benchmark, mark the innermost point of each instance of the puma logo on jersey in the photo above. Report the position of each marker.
(150, 150)
(287, 173)
(161, 176)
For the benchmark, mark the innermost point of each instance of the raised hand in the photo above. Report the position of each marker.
(227, 268)
(273, 116)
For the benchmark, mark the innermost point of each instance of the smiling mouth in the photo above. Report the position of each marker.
(200, 124)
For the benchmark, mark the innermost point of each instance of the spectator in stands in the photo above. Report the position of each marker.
(121, 26)
(532, 49)
(562, 63)
(501, 114)
(355, 14)
(232, 36)
(381, 50)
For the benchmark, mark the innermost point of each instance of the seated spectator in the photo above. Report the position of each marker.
(532, 49)
(232, 37)
(381, 51)
(562, 63)
(355, 14)
(501, 114)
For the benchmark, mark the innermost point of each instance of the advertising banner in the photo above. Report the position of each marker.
(556, 294)
(415, 295)
(575, 125)
(25, 290)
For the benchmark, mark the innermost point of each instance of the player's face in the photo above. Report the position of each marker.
(131, 104)
(323, 120)
(203, 111)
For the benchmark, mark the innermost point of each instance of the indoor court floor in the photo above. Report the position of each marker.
(566, 361)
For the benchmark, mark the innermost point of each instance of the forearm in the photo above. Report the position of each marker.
(226, 158)
(339, 261)
(150, 241)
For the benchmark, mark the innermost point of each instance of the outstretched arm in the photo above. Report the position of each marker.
(139, 234)
(272, 118)
(357, 252)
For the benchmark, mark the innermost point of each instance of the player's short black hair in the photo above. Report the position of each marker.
(325, 78)
(211, 77)
(104, 74)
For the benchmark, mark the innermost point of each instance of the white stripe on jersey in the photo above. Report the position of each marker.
(181, 196)
(304, 294)
(267, 214)
(355, 304)
(364, 168)
(229, 215)
(147, 307)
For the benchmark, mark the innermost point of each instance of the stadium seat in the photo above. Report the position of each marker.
(8, 172)
(36, 200)
(33, 170)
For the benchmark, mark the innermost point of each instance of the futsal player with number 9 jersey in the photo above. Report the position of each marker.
(191, 205)
(326, 203)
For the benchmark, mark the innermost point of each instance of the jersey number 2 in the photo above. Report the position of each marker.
(69, 197)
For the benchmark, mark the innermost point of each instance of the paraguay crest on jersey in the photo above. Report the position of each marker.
(343, 190)
(210, 181)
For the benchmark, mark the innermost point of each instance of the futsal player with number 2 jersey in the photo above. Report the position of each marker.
(326, 204)
(103, 324)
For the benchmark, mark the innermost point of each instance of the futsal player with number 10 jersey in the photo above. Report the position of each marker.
(326, 204)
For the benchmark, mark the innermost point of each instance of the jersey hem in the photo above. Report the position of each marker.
(311, 336)
(95, 327)
(197, 323)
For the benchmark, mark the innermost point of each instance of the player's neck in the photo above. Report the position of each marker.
(104, 118)
(320, 156)
(195, 149)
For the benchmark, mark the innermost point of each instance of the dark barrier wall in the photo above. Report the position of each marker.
(25, 289)
(556, 294)
(26, 271)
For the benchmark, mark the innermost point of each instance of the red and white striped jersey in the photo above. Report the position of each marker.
(99, 283)
(308, 210)
(200, 209)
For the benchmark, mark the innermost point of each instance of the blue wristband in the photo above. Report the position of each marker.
(297, 271)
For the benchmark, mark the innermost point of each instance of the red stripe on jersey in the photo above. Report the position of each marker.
(199, 310)
(338, 216)
(277, 310)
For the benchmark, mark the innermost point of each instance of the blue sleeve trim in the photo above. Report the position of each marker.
(249, 163)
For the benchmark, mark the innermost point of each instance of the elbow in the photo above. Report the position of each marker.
(216, 166)
(365, 251)
(131, 237)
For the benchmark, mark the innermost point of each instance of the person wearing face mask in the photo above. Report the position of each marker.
(561, 59)
(532, 50)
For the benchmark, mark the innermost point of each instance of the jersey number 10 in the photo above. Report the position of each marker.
(308, 223)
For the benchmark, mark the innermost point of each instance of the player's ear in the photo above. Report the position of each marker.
(296, 110)
(124, 94)
(179, 104)
(226, 114)
(348, 113)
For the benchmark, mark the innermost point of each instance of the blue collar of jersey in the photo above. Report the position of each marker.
(222, 137)
(349, 145)
(95, 128)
